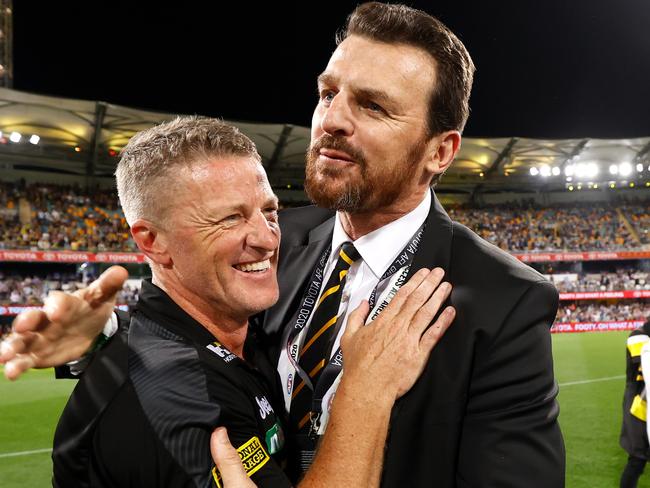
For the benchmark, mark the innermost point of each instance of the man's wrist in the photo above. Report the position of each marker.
(110, 328)
(77, 366)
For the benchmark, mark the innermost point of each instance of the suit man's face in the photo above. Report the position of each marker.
(368, 135)
(223, 237)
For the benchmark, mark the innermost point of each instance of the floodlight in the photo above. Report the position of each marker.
(581, 170)
(625, 169)
(592, 169)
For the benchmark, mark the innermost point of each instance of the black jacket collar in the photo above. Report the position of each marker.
(158, 306)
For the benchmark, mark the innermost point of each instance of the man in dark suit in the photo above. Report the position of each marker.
(393, 102)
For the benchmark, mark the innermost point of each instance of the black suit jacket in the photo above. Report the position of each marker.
(484, 411)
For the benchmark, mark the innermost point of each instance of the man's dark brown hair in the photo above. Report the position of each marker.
(399, 24)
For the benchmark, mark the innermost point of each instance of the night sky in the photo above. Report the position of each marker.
(547, 69)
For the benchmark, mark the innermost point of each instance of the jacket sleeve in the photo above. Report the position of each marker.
(511, 436)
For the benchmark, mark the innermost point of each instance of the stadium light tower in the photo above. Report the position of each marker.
(6, 43)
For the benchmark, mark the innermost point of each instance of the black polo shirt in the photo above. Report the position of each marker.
(143, 412)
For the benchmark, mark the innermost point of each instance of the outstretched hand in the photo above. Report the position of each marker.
(388, 355)
(66, 327)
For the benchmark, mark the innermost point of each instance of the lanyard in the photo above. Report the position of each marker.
(398, 269)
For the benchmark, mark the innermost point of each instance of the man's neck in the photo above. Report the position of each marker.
(230, 332)
(359, 224)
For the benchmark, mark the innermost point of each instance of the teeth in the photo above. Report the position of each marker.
(259, 266)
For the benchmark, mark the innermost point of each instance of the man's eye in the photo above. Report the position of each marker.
(231, 219)
(374, 107)
(327, 96)
(271, 213)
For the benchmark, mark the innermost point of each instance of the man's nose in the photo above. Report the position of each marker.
(337, 118)
(264, 235)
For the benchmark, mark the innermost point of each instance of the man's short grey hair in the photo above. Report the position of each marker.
(146, 171)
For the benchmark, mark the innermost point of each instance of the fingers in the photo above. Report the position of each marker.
(17, 366)
(227, 460)
(355, 321)
(29, 321)
(421, 295)
(60, 307)
(428, 311)
(358, 317)
(433, 334)
(13, 345)
(403, 294)
(105, 287)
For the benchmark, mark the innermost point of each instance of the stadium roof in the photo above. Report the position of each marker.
(83, 138)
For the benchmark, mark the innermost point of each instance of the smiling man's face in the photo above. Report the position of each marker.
(223, 236)
(369, 128)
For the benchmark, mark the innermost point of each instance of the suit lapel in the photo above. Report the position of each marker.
(295, 268)
(435, 246)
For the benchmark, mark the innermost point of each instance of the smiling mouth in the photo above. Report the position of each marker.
(257, 267)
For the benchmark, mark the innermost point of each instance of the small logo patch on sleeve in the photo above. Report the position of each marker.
(252, 455)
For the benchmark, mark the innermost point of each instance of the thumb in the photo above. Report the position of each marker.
(104, 288)
(357, 318)
(227, 460)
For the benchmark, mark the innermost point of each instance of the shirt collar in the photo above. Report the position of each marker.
(380, 247)
(159, 307)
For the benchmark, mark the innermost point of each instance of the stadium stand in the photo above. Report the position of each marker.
(601, 312)
(574, 227)
(32, 290)
(55, 217)
(621, 279)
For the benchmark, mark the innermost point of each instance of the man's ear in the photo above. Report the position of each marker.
(443, 150)
(151, 241)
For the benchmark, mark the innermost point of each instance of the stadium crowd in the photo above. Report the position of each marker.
(622, 279)
(639, 216)
(578, 227)
(54, 217)
(31, 290)
(603, 312)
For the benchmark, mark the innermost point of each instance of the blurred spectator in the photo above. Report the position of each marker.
(634, 437)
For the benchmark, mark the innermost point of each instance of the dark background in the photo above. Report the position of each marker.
(553, 68)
